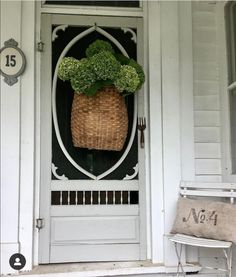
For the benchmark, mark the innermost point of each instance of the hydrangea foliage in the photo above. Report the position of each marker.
(105, 65)
(140, 72)
(98, 46)
(67, 68)
(127, 79)
(102, 67)
(84, 77)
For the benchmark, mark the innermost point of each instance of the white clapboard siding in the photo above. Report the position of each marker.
(206, 92)
(207, 118)
(207, 134)
(206, 71)
(204, 34)
(207, 150)
(203, 18)
(205, 87)
(204, 7)
(208, 178)
(206, 103)
(205, 52)
(208, 166)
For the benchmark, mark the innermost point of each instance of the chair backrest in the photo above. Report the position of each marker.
(226, 190)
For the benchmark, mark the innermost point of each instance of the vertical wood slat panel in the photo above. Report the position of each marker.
(99, 197)
(106, 200)
(128, 197)
(76, 197)
(83, 197)
(68, 198)
(60, 197)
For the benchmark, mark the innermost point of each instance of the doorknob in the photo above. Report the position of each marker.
(141, 128)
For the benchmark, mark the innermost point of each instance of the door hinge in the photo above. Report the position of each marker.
(40, 46)
(39, 223)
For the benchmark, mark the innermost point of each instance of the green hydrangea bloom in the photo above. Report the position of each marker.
(127, 79)
(67, 68)
(105, 65)
(140, 72)
(98, 46)
(84, 76)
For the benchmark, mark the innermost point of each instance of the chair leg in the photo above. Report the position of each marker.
(178, 254)
(228, 256)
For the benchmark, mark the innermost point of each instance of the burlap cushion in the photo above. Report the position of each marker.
(206, 219)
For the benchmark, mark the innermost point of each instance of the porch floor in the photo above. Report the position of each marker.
(98, 269)
(136, 268)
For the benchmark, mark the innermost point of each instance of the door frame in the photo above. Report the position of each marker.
(154, 17)
(45, 113)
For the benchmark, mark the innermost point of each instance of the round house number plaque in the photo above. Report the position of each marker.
(12, 62)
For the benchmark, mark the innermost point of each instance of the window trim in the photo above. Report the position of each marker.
(231, 66)
(93, 6)
(94, 10)
(225, 88)
(232, 70)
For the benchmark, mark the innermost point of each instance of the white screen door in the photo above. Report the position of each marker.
(92, 202)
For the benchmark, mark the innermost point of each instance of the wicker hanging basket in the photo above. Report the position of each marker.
(100, 121)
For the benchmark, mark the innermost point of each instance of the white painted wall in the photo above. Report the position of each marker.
(10, 134)
(17, 138)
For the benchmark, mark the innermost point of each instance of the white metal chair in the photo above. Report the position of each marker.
(223, 190)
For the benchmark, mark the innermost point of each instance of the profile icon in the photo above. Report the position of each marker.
(17, 261)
